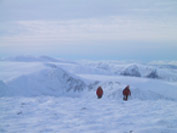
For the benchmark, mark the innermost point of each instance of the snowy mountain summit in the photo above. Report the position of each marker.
(47, 95)
(131, 70)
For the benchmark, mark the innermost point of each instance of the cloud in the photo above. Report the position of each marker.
(114, 28)
(63, 21)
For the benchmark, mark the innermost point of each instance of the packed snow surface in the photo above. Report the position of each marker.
(68, 115)
(48, 95)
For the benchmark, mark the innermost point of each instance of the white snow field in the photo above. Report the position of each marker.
(48, 95)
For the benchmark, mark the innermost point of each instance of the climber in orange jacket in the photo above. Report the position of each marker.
(126, 92)
(99, 92)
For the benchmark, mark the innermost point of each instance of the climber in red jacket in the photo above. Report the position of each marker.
(99, 92)
(126, 92)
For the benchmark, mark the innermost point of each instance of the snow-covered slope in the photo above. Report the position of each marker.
(50, 81)
(11, 70)
(86, 115)
(132, 70)
(141, 88)
(3, 89)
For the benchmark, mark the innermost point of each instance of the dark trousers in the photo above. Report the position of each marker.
(99, 97)
(125, 97)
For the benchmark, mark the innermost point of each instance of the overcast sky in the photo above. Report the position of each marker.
(142, 30)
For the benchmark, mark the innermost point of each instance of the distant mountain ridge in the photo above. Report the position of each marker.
(29, 58)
